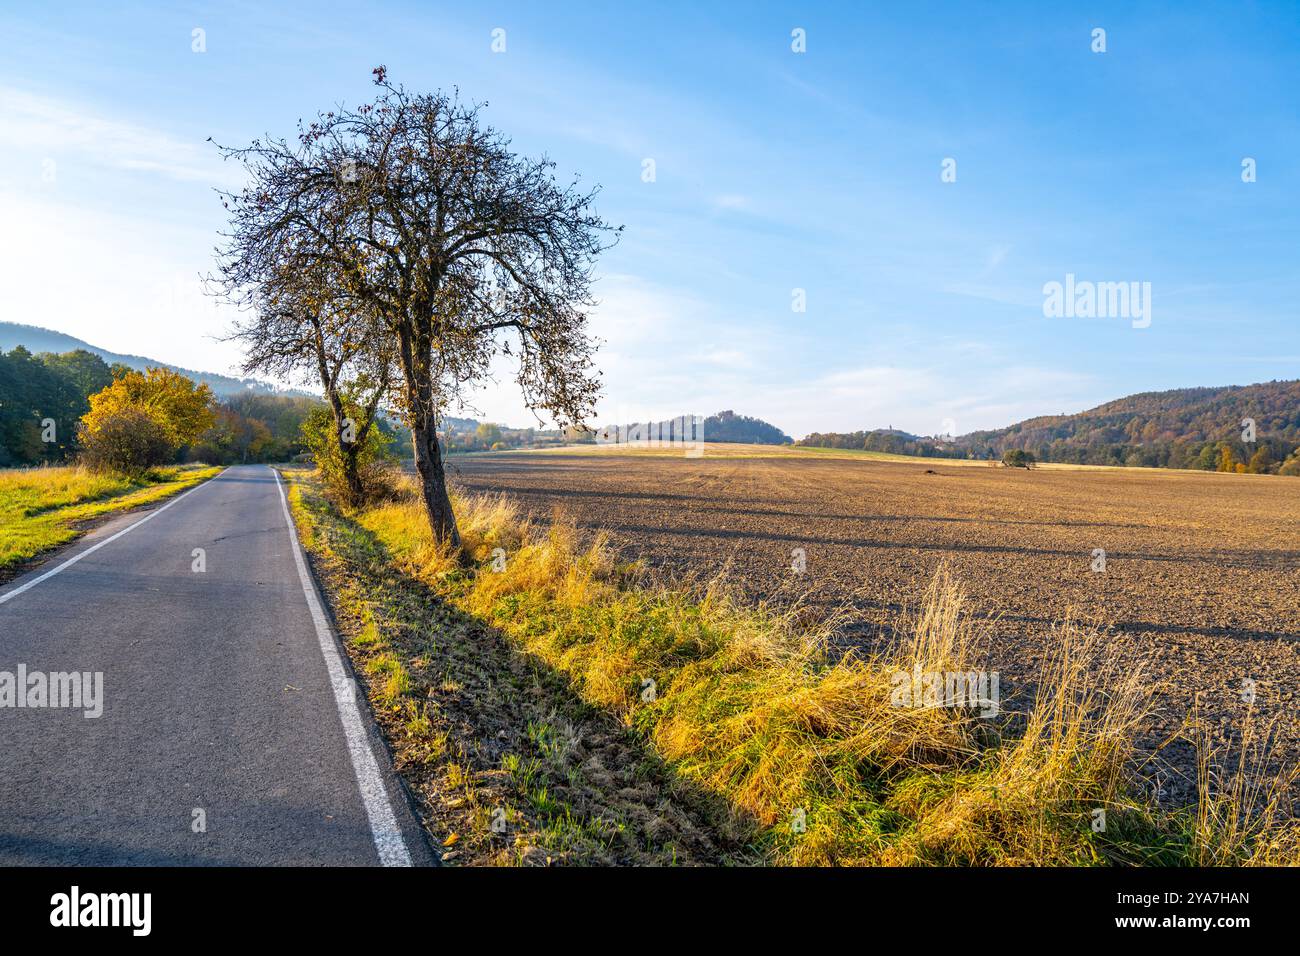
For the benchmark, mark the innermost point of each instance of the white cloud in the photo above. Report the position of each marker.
(995, 257)
(662, 354)
(57, 128)
(108, 225)
(924, 400)
(727, 358)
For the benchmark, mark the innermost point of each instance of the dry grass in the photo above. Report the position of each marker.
(807, 749)
(1242, 814)
(1067, 763)
(509, 766)
(48, 485)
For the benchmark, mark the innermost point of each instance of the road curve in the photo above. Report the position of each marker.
(229, 734)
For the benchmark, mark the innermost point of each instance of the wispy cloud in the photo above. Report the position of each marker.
(925, 400)
(59, 128)
(666, 352)
(731, 358)
(732, 202)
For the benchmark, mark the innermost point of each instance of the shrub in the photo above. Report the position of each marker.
(1260, 462)
(182, 408)
(1018, 458)
(351, 475)
(128, 441)
(143, 419)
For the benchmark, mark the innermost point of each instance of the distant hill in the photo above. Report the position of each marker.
(890, 440)
(730, 427)
(1178, 428)
(36, 340)
(724, 426)
(1155, 422)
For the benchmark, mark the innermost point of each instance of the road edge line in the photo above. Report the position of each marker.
(384, 828)
(13, 593)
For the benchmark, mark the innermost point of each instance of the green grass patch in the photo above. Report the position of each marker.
(43, 508)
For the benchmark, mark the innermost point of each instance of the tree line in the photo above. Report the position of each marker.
(1253, 429)
(139, 419)
(1265, 455)
(883, 440)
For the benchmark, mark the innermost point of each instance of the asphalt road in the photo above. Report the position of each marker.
(229, 735)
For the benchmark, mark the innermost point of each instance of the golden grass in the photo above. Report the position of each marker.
(807, 747)
(1241, 811)
(485, 736)
(58, 485)
(40, 508)
(1067, 763)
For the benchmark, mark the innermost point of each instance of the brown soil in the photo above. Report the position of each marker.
(1201, 586)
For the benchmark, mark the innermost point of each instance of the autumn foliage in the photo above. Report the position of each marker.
(143, 419)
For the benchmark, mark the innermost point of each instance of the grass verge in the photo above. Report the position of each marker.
(508, 766)
(42, 508)
(729, 731)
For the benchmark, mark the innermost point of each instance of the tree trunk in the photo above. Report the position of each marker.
(348, 451)
(415, 347)
(433, 480)
(352, 474)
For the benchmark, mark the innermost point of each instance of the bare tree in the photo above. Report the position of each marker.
(461, 249)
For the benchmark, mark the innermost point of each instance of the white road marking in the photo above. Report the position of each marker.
(383, 822)
(95, 547)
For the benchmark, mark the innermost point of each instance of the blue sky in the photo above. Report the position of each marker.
(774, 171)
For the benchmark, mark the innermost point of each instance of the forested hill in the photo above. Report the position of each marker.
(37, 340)
(1179, 428)
(725, 426)
(728, 426)
(1154, 427)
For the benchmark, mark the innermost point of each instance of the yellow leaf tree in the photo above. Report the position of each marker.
(170, 407)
